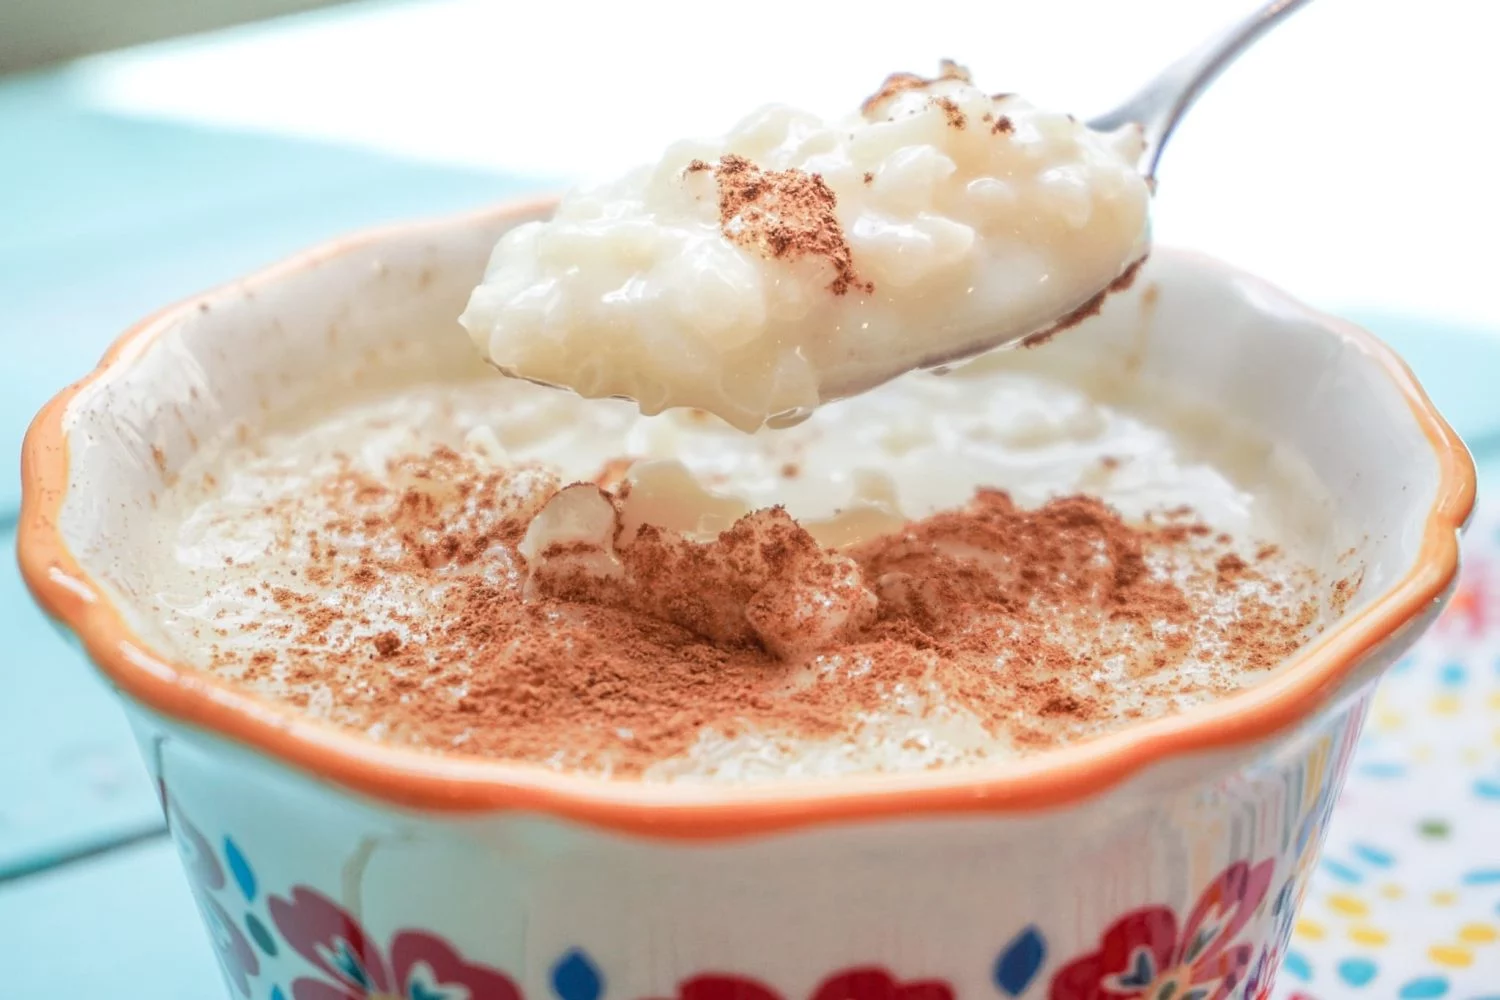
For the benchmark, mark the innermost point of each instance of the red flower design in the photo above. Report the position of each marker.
(877, 984)
(853, 984)
(1145, 950)
(206, 876)
(420, 966)
(716, 987)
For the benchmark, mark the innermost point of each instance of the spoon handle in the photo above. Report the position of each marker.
(1163, 102)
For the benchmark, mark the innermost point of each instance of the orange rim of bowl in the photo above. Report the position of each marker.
(455, 783)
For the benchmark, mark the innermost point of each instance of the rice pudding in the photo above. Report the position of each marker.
(795, 260)
(940, 572)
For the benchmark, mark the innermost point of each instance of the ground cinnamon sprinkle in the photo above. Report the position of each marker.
(784, 214)
(900, 83)
(956, 118)
(1045, 625)
(1087, 309)
(1230, 567)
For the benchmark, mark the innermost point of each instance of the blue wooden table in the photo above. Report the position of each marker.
(102, 219)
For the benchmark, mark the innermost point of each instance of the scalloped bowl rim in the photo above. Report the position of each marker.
(453, 783)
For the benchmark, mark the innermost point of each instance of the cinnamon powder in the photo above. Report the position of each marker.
(1088, 309)
(1028, 620)
(952, 112)
(784, 215)
(900, 83)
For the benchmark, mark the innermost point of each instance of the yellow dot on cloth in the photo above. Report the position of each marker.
(1310, 929)
(1493, 700)
(1422, 754)
(1446, 704)
(1369, 936)
(1392, 891)
(1347, 906)
(1479, 934)
(1451, 956)
(1444, 897)
(1389, 721)
(1472, 755)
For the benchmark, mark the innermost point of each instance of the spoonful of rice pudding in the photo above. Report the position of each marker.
(797, 260)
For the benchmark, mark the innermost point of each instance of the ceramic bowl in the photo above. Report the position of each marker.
(327, 865)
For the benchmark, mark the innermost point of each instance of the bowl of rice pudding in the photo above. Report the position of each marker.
(1034, 678)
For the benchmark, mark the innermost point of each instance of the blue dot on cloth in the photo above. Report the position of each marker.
(1297, 965)
(1374, 855)
(1453, 674)
(1357, 971)
(1424, 988)
(1342, 872)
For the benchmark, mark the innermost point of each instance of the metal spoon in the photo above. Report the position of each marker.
(1163, 102)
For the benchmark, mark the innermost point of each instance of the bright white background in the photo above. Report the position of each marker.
(1352, 157)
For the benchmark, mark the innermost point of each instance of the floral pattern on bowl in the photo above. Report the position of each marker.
(1149, 953)
(416, 966)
